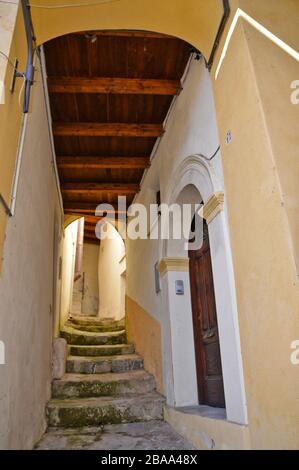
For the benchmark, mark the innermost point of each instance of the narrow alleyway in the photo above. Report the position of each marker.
(105, 388)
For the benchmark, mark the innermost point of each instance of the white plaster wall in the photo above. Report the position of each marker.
(90, 302)
(68, 266)
(26, 293)
(191, 130)
(111, 290)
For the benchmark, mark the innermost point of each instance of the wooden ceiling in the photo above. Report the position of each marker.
(110, 92)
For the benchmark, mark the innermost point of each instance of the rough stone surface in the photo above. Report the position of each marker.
(109, 350)
(59, 357)
(104, 410)
(100, 365)
(97, 385)
(95, 328)
(107, 383)
(78, 337)
(94, 322)
(154, 435)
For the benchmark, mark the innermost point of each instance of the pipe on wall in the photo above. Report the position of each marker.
(224, 19)
(29, 73)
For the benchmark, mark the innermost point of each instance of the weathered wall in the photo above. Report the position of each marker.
(257, 168)
(111, 293)
(191, 129)
(145, 332)
(68, 267)
(90, 302)
(26, 309)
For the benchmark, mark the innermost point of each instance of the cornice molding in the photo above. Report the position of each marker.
(173, 264)
(212, 207)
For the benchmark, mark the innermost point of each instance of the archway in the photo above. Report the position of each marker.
(112, 271)
(195, 181)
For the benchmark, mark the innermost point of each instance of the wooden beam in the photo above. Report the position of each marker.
(127, 86)
(93, 240)
(92, 129)
(92, 219)
(84, 208)
(90, 228)
(90, 213)
(98, 188)
(87, 163)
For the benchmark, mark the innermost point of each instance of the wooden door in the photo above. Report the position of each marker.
(206, 338)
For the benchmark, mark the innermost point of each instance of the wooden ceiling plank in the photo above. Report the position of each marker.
(113, 85)
(98, 188)
(93, 129)
(85, 208)
(83, 162)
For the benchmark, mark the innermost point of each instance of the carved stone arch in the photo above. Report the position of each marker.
(195, 171)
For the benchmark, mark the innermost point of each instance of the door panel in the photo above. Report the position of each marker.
(206, 338)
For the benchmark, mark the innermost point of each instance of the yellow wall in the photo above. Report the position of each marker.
(10, 117)
(145, 332)
(251, 101)
(27, 300)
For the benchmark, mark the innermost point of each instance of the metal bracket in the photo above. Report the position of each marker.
(16, 74)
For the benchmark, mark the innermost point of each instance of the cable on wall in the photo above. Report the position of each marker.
(208, 159)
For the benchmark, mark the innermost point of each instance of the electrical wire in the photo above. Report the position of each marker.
(8, 59)
(20, 74)
(208, 159)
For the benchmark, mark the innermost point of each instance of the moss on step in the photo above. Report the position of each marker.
(77, 337)
(109, 350)
(76, 417)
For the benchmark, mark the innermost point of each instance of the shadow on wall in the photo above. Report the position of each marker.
(112, 274)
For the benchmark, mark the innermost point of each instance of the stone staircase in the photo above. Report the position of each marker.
(105, 382)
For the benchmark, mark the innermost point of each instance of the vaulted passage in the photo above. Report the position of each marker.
(110, 93)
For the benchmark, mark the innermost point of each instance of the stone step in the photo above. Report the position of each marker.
(77, 337)
(100, 365)
(100, 385)
(101, 350)
(105, 410)
(95, 328)
(96, 322)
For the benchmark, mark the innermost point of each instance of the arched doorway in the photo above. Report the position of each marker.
(205, 325)
(195, 182)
